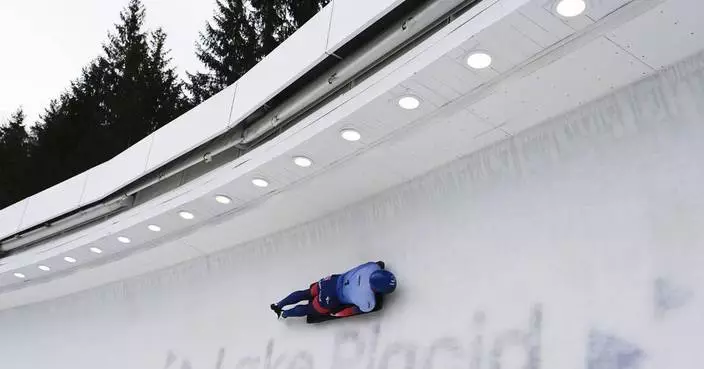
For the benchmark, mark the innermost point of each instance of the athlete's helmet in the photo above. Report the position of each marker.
(382, 281)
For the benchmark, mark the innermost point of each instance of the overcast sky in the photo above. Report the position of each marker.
(45, 43)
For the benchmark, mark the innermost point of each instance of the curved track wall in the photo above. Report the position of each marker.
(576, 244)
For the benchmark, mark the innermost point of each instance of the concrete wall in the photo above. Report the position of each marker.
(577, 244)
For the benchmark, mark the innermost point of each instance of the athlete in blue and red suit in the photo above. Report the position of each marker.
(340, 295)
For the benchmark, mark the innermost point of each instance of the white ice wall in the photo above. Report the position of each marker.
(577, 244)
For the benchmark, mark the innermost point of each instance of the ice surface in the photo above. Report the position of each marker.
(576, 244)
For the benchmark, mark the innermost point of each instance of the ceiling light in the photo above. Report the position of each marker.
(123, 239)
(479, 60)
(70, 259)
(571, 8)
(409, 102)
(20, 275)
(44, 268)
(96, 250)
(186, 215)
(223, 199)
(302, 161)
(350, 135)
(154, 228)
(259, 182)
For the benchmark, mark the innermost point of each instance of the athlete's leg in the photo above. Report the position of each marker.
(295, 297)
(298, 310)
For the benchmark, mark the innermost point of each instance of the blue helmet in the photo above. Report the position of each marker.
(382, 281)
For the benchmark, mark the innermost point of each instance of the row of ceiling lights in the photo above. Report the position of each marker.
(407, 102)
(301, 161)
(476, 60)
(570, 8)
(349, 134)
(566, 8)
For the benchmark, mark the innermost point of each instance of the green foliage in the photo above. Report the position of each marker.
(131, 90)
(241, 33)
(121, 97)
(227, 49)
(14, 154)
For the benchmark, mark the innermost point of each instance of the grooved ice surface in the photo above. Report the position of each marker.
(576, 244)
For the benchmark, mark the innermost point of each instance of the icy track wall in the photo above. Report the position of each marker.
(577, 244)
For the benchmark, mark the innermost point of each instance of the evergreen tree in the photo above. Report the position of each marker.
(241, 33)
(120, 97)
(272, 25)
(201, 86)
(72, 135)
(131, 90)
(14, 151)
(276, 20)
(227, 48)
(145, 92)
(300, 11)
(163, 84)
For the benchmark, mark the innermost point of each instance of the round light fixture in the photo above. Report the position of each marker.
(44, 268)
(96, 250)
(69, 259)
(186, 215)
(20, 275)
(123, 239)
(479, 60)
(409, 102)
(571, 8)
(260, 182)
(223, 199)
(350, 134)
(154, 228)
(302, 161)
